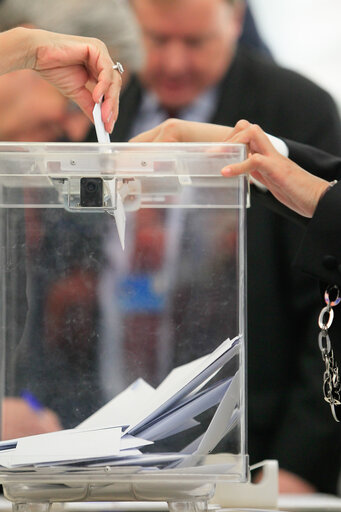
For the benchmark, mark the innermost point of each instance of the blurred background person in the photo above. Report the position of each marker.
(250, 36)
(196, 70)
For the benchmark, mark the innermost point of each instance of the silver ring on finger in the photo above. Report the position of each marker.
(119, 67)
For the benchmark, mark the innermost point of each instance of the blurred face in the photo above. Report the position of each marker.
(34, 111)
(189, 45)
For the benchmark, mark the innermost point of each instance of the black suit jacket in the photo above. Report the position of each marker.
(320, 251)
(319, 254)
(288, 419)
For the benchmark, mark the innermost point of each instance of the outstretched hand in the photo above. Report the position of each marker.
(77, 66)
(177, 130)
(289, 183)
(80, 67)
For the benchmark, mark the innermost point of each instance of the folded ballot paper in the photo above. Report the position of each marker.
(121, 431)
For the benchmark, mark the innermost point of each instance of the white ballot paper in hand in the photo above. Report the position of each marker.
(116, 200)
(102, 136)
(119, 213)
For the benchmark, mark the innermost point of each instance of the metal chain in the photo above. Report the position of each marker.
(331, 377)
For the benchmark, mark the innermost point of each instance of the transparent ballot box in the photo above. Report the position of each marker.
(122, 322)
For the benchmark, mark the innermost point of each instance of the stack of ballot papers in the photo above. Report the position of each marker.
(120, 432)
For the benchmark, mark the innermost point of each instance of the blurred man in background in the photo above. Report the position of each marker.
(196, 70)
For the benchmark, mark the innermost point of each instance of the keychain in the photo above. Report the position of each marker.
(331, 377)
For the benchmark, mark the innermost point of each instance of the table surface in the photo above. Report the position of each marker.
(287, 503)
(309, 502)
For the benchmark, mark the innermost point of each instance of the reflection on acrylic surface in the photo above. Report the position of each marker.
(91, 319)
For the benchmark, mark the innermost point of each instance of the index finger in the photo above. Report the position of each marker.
(109, 81)
(108, 87)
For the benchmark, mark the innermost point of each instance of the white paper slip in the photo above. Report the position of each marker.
(202, 399)
(8, 445)
(128, 442)
(91, 462)
(218, 425)
(116, 200)
(66, 445)
(106, 461)
(119, 213)
(185, 374)
(194, 445)
(149, 459)
(184, 383)
(102, 135)
(173, 420)
(186, 425)
(122, 407)
(178, 372)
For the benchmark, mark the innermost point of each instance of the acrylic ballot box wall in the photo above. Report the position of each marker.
(122, 322)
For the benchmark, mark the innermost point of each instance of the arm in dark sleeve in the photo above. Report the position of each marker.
(319, 253)
(288, 418)
(315, 161)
